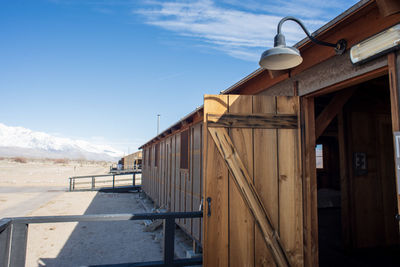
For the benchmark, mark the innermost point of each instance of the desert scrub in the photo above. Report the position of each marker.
(61, 161)
(20, 159)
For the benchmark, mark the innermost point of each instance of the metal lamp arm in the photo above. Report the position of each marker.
(306, 32)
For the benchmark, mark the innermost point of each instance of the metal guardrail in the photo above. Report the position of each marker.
(14, 233)
(92, 182)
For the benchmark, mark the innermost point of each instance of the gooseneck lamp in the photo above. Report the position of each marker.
(282, 57)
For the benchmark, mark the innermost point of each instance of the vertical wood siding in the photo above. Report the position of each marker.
(171, 187)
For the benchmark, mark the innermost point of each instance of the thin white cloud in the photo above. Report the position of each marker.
(239, 28)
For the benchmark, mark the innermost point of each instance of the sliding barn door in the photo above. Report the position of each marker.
(252, 181)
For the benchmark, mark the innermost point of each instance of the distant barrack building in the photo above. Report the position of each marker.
(132, 161)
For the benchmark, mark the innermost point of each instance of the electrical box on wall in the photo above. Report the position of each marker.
(360, 163)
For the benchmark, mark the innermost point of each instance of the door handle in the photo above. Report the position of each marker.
(209, 206)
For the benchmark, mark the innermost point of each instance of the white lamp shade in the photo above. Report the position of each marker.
(280, 58)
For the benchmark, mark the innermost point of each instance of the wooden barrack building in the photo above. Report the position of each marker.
(296, 167)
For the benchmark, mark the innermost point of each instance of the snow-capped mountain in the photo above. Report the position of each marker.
(19, 141)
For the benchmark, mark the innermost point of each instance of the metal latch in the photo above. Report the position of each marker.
(209, 206)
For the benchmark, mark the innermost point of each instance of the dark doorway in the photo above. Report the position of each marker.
(356, 178)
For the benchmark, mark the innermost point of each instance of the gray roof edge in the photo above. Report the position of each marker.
(173, 125)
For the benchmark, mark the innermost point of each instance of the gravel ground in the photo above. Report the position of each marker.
(39, 188)
(90, 243)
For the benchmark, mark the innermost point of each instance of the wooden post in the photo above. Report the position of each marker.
(310, 209)
(5, 242)
(394, 81)
(93, 182)
(19, 237)
(169, 241)
(113, 181)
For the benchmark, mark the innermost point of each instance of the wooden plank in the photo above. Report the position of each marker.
(202, 153)
(177, 173)
(290, 185)
(162, 175)
(331, 110)
(344, 183)
(249, 120)
(265, 176)
(387, 173)
(367, 189)
(310, 209)
(394, 81)
(241, 222)
(196, 166)
(215, 185)
(244, 182)
(173, 170)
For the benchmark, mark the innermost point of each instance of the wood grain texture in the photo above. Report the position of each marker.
(215, 184)
(290, 185)
(310, 209)
(255, 158)
(241, 222)
(177, 174)
(249, 193)
(331, 110)
(266, 176)
(252, 120)
(173, 170)
(196, 166)
(386, 168)
(394, 81)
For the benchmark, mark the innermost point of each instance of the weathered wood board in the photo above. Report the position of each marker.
(256, 207)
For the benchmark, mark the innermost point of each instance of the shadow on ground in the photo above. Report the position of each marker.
(94, 243)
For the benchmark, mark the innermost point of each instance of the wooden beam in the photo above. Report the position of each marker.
(258, 121)
(246, 187)
(330, 111)
(394, 91)
(276, 73)
(310, 208)
(394, 81)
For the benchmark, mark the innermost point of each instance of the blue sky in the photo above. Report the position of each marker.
(102, 70)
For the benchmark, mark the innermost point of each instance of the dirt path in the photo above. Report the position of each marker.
(39, 188)
(89, 243)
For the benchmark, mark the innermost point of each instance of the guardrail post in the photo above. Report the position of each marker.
(19, 237)
(113, 181)
(134, 179)
(70, 184)
(5, 237)
(93, 182)
(73, 184)
(169, 241)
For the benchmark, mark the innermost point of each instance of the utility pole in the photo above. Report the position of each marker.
(158, 124)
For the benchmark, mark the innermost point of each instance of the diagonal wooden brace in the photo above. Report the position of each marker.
(248, 192)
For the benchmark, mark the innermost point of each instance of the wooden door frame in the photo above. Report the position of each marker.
(394, 85)
(310, 208)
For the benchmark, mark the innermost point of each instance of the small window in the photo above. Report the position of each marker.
(319, 156)
(185, 149)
